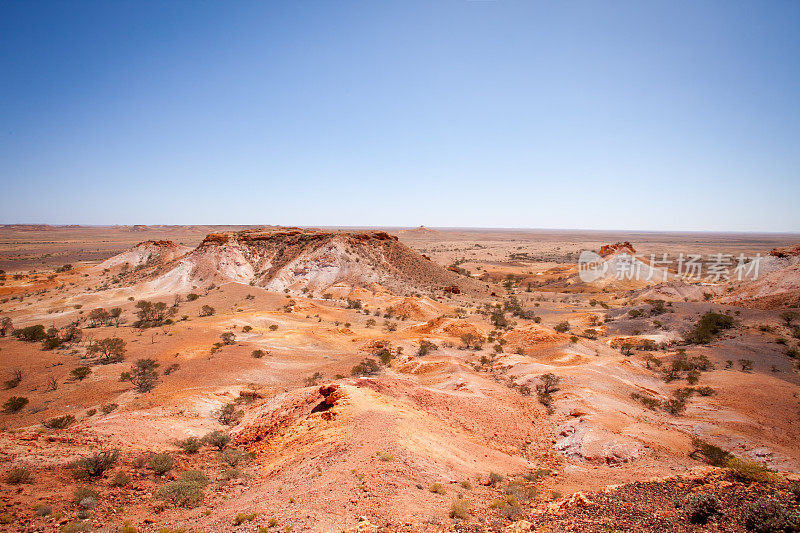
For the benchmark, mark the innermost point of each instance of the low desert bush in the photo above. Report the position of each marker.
(160, 463)
(436, 488)
(241, 518)
(235, 456)
(94, 465)
(708, 453)
(194, 476)
(366, 367)
(19, 475)
(59, 422)
(708, 327)
(701, 507)
(108, 407)
(80, 373)
(229, 414)
(767, 515)
(184, 493)
(747, 470)
(216, 439)
(495, 478)
(190, 444)
(14, 404)
(459, 509)
(82, 493)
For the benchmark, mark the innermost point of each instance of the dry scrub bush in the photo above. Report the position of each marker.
(94, 465)
(190, 445)
(18, 476)
(216, 439)
(14, 404)
(59, 422)
(459, 509)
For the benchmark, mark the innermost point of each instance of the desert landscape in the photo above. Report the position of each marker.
(181, 378)
(462, 266)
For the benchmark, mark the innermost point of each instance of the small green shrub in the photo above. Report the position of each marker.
(748, 470)
(194, 476)
(160, 463)
(190, 445)
(182, 493)
(82, 493)
(707, 327)
(80, 373)
(708, 453)
(235, 456)
(495, 478)
(241, 518)
(94, 465)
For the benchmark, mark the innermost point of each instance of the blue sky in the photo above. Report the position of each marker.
(600, 115)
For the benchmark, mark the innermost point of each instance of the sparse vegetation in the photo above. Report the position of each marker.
(18, 475)
(437, 488)
(216, 439)
(768, 515)
(708, 327)
(111, 350)
(59, 422)
(190, 445)
(229, 414)
(160, 463)
(14, 404)
(143, 375)
(701, 507)
(94, 465)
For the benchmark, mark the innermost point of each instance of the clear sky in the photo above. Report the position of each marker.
(665, 115)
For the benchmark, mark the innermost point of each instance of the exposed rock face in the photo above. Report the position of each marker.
(608, 249)
(295, 259)
(789, 251)
(147, 253)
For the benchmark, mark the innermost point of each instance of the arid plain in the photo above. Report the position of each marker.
(210, 378)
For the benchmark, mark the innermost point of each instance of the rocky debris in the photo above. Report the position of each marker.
(363, 526)
(332, 393)
(580, 440)
(661, 505)
(518, 527)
